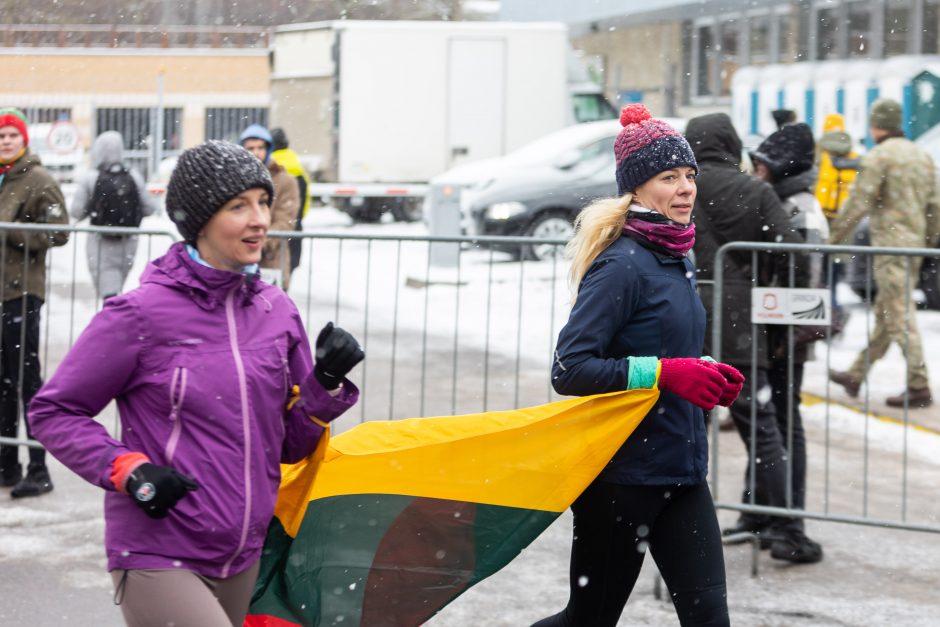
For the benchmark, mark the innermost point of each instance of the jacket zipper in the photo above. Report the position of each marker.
(246, 427)
(180, 376)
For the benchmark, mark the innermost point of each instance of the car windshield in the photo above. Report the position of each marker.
(586, 160)
(546, 149)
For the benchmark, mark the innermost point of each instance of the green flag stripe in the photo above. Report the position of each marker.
(369, 559)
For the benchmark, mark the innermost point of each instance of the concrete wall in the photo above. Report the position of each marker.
(643, 58)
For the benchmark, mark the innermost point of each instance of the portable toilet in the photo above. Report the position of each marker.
(829, 91)
(745, 100)
(925, 103)
(798, 93)
(860, 89)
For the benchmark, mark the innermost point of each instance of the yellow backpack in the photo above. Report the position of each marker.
(835, 176)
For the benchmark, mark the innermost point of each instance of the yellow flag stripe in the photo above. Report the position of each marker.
(537, 458)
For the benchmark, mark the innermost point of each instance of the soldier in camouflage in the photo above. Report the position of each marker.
(897, 189)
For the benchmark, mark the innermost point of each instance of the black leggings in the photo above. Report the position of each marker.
(613, 527)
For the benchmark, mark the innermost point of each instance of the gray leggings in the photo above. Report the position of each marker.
(157, 598)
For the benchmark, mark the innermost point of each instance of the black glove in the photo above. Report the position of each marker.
(337, 352)
(156, 489)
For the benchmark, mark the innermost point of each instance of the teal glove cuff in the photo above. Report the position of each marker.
(707, 358)
(642, 373)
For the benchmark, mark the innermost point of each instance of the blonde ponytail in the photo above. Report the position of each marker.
(596, 227)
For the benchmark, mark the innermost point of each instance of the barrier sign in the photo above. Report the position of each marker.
(791, 305)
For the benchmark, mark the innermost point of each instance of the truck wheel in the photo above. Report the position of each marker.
(369, 212)
(406, 209)
(548, 225)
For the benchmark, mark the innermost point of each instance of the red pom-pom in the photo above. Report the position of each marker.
(634, 114)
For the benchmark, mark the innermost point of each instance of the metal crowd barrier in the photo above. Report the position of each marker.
(873, 499)
(473, 337)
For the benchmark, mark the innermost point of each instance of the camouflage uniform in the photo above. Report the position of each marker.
(897, 189)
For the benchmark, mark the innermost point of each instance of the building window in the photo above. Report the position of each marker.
(729, 55)
(785, 39)
(228, 122)
(706, 61)
(47, 115)
(827, 33)
(136, 125)
(859, 21)
(931, 23)
(897, 28)
(760, 40)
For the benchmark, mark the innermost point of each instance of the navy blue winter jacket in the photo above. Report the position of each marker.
(636, 302)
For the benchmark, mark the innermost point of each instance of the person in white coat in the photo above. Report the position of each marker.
(110, 258)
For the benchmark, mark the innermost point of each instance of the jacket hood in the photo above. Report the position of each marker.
(790, 185)
(256, 131)
(838, 143)
(713, 138)
(107, 148)
(208, 286)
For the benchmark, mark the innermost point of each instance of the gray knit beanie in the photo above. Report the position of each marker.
(885, 114)
(205, 178)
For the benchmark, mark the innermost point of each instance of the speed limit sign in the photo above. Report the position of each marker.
(63, 137)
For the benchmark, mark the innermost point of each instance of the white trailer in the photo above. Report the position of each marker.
(387, 105)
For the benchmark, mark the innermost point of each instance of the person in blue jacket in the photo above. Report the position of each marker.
(637, 315)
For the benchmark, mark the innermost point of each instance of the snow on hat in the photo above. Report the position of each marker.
(16, 118)
(645, 147)
(885, 114)
(787, 152)
(205, 178)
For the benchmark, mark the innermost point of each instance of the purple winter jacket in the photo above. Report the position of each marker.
(201, 362)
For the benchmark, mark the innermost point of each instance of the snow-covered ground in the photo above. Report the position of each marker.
(503, 319)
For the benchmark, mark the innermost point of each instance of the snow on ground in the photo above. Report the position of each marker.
(504, 317)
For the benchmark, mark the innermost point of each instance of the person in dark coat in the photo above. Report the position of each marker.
(785, 160)
(734, 207)
(28, 194)
(637, 322)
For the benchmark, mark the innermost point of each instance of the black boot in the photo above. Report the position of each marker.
(794, 546)
(10, 476)
(35, 482)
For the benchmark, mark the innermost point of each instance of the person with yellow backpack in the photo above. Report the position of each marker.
(285, 157)
(838, 165)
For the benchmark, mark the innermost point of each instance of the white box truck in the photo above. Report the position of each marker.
(387, 105)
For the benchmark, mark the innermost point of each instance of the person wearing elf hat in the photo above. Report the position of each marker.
(215, 385)
(257, 140)
(28, 194)
(637, 322)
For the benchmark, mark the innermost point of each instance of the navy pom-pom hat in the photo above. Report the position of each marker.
(647, 146)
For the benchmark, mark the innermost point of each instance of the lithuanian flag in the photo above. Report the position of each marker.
(390, 521)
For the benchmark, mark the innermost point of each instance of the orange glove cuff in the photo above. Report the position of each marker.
(123, 466)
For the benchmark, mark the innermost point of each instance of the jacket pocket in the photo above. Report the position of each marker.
(177, 396)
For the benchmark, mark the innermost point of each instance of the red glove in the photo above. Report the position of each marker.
(734, 383)
(694, 380)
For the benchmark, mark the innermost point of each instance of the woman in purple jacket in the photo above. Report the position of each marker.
(213, 378)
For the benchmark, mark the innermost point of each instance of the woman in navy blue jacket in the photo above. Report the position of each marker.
(637, 314)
